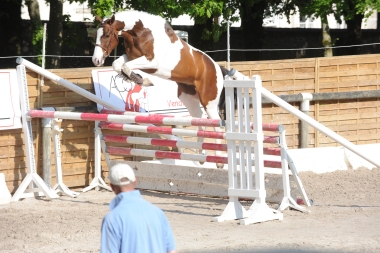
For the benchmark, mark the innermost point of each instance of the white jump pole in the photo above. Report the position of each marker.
(65, 83)
(302, 116)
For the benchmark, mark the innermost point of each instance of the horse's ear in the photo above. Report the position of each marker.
(99, 19)
(112, 19)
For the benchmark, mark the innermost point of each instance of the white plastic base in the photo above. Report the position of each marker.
(291, 203)
(5, 195)
(33, 185)
(260, 212)
(62, 188)
(233, 211)
(96, 183)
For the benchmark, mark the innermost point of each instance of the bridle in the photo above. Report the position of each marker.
(109, 44)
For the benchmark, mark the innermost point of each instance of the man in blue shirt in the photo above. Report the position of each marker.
(133, 225)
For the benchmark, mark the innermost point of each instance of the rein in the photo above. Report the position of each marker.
(109, 44)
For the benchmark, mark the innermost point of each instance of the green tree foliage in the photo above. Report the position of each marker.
(206, 13)
(201, 11)
(353, 12)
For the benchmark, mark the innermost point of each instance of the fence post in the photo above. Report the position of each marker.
(304, 127)
(46, 147)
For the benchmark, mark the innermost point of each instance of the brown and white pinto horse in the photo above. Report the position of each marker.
(152, 46)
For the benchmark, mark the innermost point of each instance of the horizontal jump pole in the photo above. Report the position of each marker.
(266, 127)
(177, 144)
(174, 131)
(157, 119)
(177, 155)
(162, 130)
(312, 122)
(64, 83)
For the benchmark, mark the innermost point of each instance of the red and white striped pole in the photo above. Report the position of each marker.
(177, 144)
(141, 118)
(266, 127)
(174, 131)
(178, 156)
(162, 130)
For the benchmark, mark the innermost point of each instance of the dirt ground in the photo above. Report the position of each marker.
(345, 218)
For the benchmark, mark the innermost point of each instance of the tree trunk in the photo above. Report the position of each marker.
(10, 32)
(54, 34)
(354, 34)
(326, 38)
(252, 27)
(35, 19)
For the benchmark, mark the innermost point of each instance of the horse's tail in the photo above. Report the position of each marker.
(222, 99)
(235, 75)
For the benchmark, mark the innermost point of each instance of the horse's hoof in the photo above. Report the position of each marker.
(124, 76)
(136, 78)
(147, 82)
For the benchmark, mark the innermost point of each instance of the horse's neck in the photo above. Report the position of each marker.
(119, 25)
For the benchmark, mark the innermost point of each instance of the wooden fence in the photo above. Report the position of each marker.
(358, 120)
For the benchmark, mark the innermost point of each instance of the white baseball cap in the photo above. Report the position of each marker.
(121, 174)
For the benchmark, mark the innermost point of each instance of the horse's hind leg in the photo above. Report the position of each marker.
(212, 111)
(213, 114)
(189, 97)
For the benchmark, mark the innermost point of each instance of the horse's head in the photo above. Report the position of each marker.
(106, 39)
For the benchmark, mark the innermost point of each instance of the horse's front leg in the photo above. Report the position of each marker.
(117, 66)
(129, 76)
(139, 63)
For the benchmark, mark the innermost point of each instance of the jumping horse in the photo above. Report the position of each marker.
(152, 46)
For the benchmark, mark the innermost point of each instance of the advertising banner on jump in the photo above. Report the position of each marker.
(10, 113)
(161, 98)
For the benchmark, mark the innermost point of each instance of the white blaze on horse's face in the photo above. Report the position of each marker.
(98, 57)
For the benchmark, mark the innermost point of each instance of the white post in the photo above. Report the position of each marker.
(42, 81)
(97, 181)
(228, 45)
(28, 186)
(43, 47)
(59, 186)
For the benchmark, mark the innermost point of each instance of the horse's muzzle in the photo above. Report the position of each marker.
(97, 62)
